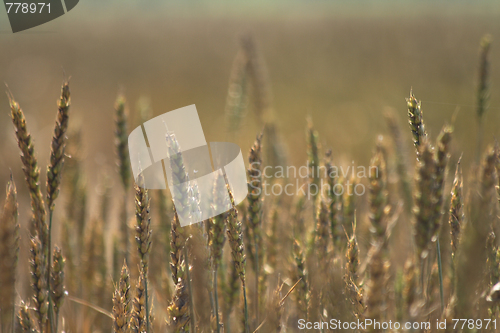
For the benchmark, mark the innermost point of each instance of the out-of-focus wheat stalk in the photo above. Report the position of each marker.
(300, 271)
(313, 159)
(73, 226)
(262, 98)
(179, 317)
(472, 253)
(143, 238)
(335, 201)
(354, 290)
(139, 317)
(424, 205)
(349, 202)
(483, 93)
(254, 213)
(456, 215)
(178, 311)
(9, 255)
(374, 289)
(238, 92)
(58, 147)
(221, 203)
(401, 159)
(410, 289)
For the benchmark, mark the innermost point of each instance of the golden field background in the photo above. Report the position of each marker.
(343, 64)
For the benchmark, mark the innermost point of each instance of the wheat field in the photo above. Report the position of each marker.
(411, 238)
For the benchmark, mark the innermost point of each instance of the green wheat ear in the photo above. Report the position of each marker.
(31, 172)
(58, 146)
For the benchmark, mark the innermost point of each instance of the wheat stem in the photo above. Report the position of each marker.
(216, 298)
(190, 291)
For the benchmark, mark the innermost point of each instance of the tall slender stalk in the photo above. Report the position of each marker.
(143, 239)
(254, 217)
(247, 328)
(121, 134)
(440, 272)
(482, 91)
(9, 252)
(54, 179)
(190, 292)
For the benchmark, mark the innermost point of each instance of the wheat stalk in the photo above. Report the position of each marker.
(415, 119)
(31, 171)
(301, 273)
(39, 284)
(254, 213)
(322, 232)
(483, 93)
(58, 291)
(377, 196)
(9, 254)
(123, 162)
(58, 147)
(143, 238)
(456, 215)
(401, 159)
(25, 319)
(178, 311)
(139, 315)
(313, 158)
(335, 201)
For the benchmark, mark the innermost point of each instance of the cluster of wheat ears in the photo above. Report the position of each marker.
(286, 258)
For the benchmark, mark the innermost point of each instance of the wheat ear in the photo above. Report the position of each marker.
(424, 199)
(31, 171)
(123, 162)
(58, 290)
(377, 196)
(120, 324)
(39, 285)
(25, 320)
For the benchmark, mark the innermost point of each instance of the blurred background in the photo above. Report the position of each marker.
(341, 62)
